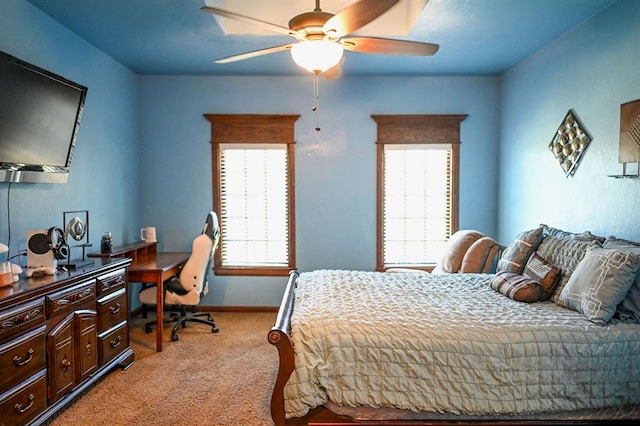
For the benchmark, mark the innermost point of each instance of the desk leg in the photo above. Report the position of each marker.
(159, 311)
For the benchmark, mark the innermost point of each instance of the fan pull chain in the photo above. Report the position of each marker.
(316, 96)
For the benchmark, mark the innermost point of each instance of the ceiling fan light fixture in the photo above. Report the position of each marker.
(317, 56)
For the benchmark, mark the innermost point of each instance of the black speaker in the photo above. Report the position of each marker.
(39, 249)
(39, 243)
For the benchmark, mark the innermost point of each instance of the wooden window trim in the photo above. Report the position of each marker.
(254, 128)
(415, 129)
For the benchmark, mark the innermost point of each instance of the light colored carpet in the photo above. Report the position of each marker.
(202, 379)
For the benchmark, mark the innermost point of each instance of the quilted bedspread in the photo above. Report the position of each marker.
(449, 343)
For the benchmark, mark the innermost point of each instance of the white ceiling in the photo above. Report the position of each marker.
(398, 21)
(476, 37)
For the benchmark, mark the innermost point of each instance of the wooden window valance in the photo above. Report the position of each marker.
(419, 128)
(252, 128)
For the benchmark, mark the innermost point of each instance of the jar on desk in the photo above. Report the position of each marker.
(106, 244)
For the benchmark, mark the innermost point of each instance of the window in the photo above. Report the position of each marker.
(417, 175)
(252, 158)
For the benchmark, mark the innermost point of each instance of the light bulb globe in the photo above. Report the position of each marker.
(317, 56)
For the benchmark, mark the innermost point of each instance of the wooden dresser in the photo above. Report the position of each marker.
(58, 335)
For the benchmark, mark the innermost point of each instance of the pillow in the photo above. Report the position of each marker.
(600, 282)
(550, 231)
(456, 247)
(543, 272)
(517, 287)
(480, 256)
(515, 256)
(630, 306)
(564, 254)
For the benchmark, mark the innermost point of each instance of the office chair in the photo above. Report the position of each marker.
(187, 288)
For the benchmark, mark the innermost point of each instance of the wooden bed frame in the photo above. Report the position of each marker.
(279, 336)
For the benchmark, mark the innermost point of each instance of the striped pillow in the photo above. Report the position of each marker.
(517, 253)
(517, 287)
(544, 273)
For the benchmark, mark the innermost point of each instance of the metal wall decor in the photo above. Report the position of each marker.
(76, 229)
(569, 143)
(629, 132)
(629, 148)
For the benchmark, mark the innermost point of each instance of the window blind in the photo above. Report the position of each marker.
(417, 201)
(254, 182)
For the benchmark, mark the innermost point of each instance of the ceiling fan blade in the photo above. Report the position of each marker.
(248, 20)
(387, 46)
(356, 16)
(253, 54)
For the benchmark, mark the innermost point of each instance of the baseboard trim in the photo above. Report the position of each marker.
(236, 308)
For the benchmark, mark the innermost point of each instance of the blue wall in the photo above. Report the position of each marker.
(104, 175)
(335, 168)
(591, 70)
(143, 152)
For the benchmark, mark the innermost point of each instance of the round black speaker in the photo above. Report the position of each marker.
(39, 243)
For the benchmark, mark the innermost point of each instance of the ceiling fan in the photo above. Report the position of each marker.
(322, 36)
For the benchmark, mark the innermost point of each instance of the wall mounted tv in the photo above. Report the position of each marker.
(39, 119)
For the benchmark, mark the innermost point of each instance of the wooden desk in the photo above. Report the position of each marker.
(156, 268)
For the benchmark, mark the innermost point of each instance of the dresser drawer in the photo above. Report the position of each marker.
(22, 357)
(21, 318)
(19, 405)
(113, 342)
(70, 298)
(112, 310)
(111, 282)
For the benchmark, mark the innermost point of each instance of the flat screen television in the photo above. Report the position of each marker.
(39, 119)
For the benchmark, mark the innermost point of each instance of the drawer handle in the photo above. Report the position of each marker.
(66, 364)
(116, 343)
(23, 409)
(89, 350)
(78, 296)
(19, 362)
(115, 309)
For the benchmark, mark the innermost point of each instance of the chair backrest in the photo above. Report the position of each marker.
(193, 275)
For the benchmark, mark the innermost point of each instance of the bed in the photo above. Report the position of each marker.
(412, 348)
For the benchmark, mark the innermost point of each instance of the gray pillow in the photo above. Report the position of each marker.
(630, 306)
(550, 231)
(515, 256)
(564, 254)
(599, 283)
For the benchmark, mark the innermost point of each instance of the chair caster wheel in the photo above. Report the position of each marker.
(147, 330)
(214, 329)
(174, 337)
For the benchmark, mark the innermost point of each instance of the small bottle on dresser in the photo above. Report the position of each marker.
(106, 244)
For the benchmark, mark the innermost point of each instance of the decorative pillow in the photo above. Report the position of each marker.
(543, 272)
(599, 283)
(550, 231)
(630, 306)
(515, 256)
(564, 254)
(455, 250)
(480, 256)
(517, 287)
